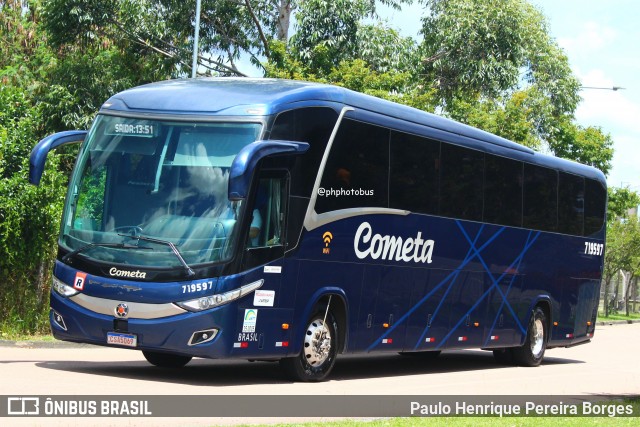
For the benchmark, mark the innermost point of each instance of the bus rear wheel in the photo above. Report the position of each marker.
(166, 360)
(318, 355)
(532, 352)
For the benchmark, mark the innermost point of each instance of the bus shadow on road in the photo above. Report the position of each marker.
(205, 372)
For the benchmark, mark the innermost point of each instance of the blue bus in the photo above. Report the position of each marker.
(284, 220)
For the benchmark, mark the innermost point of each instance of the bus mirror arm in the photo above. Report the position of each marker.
(247, 159)
(39, 153)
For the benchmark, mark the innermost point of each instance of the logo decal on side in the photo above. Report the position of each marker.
(391, 247)
(327, 237)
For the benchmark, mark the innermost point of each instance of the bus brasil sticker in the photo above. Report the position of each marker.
(116, 338)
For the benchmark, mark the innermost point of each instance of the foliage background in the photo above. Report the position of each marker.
(489, 64)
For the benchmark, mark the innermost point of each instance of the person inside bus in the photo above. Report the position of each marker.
(256, 222)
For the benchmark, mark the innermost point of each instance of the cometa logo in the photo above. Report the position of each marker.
(391, 247)
(126, 273)
(327, 237)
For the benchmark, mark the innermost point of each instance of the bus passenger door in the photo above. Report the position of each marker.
(264, 253)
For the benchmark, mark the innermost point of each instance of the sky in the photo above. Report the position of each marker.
(602, 41)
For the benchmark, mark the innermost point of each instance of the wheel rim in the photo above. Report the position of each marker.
(317, 343)
(537, 338)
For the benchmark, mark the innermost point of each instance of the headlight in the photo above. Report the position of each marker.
(205, 303)
(62, 288)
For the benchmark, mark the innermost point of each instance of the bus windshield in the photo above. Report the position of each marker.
(154, 193)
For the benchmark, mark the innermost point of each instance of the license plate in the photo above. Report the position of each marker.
(128, 340)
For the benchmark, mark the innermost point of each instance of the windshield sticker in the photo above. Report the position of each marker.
(250, 319)
(264, 298)
(78, 282)
(132, 128)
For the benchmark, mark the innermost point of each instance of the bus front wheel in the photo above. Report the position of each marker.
(532, 352)
(166, 360)
(318, 355)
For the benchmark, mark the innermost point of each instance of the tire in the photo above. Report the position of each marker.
(166, 360)
(503, 356)
(317, 357)
(532, 352)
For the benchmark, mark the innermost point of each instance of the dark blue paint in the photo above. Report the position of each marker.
(244, 164)
(502, 272)
(39, 153)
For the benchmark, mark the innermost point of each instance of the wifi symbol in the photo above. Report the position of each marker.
(327, 236)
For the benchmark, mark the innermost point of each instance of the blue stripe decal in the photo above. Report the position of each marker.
(472, 253)
(451, 275)
(504, 301)
(444, 297)
(495, 285)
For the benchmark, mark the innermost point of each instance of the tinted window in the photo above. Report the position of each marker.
(540, 198)
(595, 201)
(415, 170)
(357, 167)
(502, 191)
(313, 126)
(570, 204)
(461, 182)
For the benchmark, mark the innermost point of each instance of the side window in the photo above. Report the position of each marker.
(595, 201)
(570, 204)
(311, 125)
(357, 170)
(540, 198)
(415, 173)
(503, 191)
(267, 218)
(461, 182)
(266, 236)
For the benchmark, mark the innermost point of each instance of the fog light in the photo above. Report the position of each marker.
(201, 337)
(58, 320)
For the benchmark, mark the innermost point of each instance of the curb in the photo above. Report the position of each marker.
(67, 344)
(616, 322)
(44, 344)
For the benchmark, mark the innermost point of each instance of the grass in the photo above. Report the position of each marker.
(17, 336)
(618, 316)
(474, 422)
(534, 421)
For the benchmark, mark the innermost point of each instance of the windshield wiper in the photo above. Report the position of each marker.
(72, 254)
(173, 247)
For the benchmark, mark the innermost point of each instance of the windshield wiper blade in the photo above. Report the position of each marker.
(173, 247)
(72, 254)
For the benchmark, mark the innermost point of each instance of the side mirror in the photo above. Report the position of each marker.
(39, 153)
(245, 163)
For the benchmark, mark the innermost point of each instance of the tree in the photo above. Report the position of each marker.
(29, 216)
(621, 201)
(491, 63)
(622, 255)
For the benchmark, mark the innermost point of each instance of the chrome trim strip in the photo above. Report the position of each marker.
(324, 218)
(137, 310)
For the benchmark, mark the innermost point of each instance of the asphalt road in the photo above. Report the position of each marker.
(606, 366)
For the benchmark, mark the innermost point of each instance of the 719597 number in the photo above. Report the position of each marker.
(591, 248)
(197, 287)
